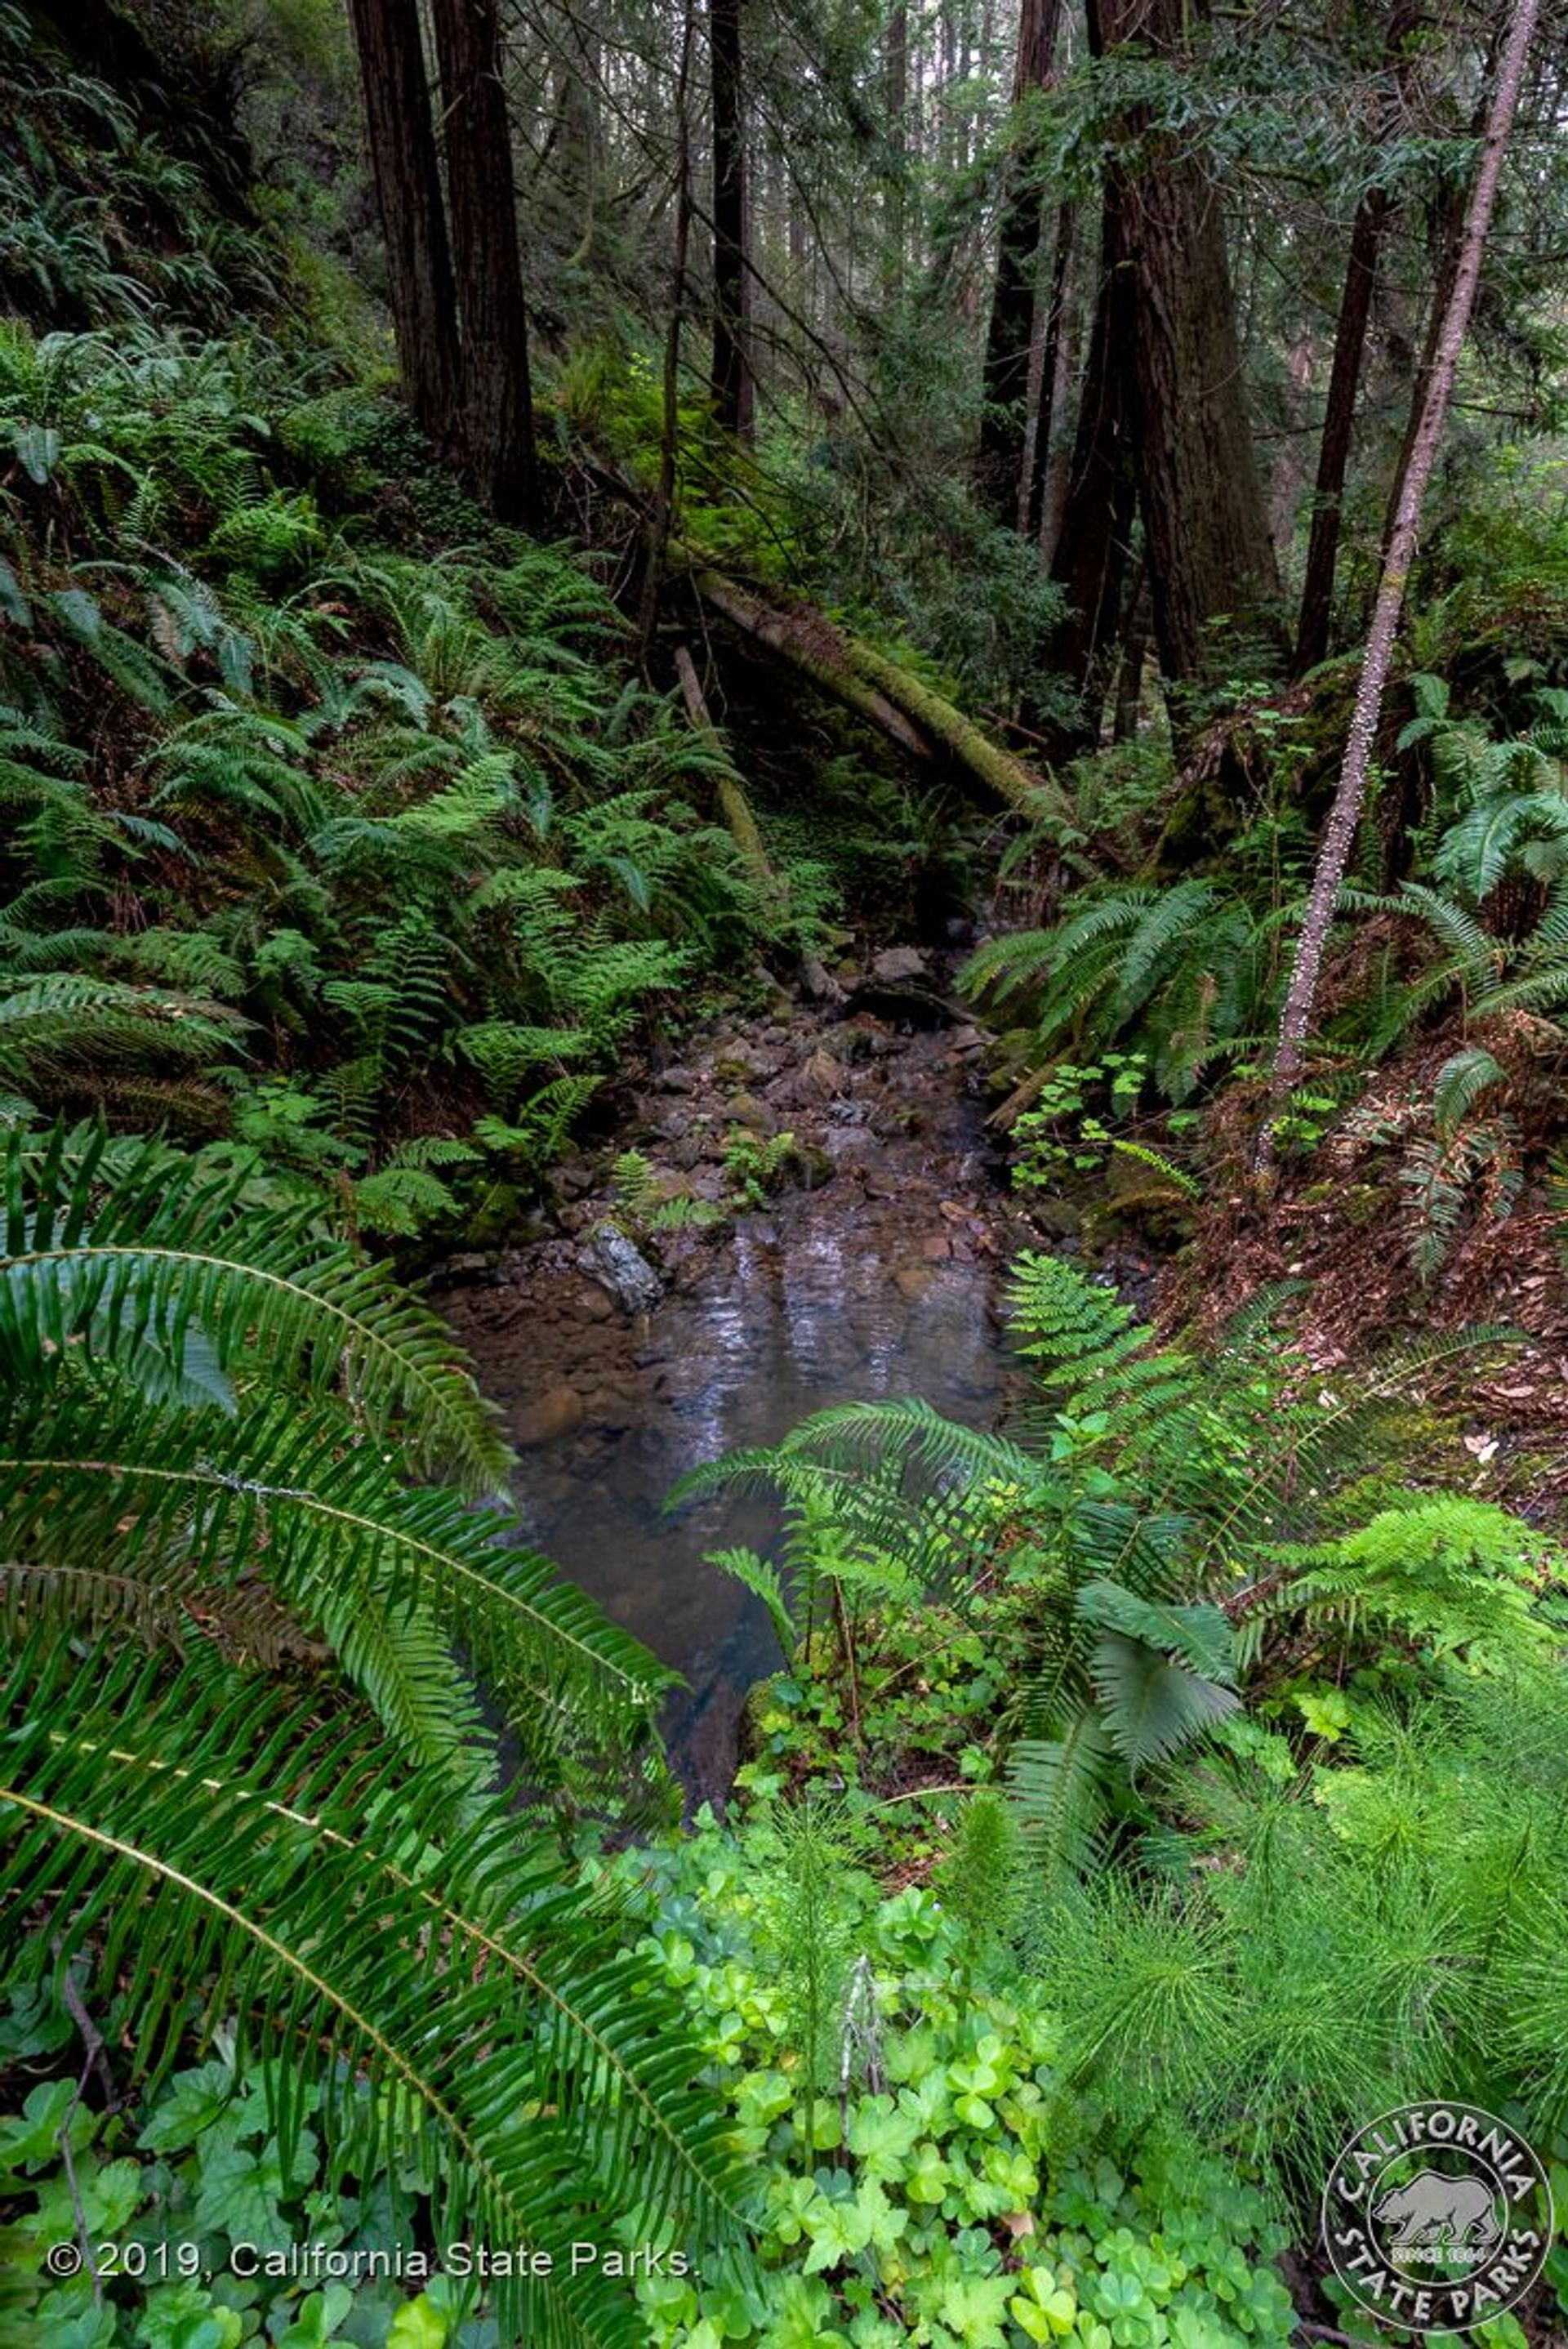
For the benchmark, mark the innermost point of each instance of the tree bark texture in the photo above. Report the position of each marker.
(1037, 467)
(733, 391)
(1372, 216)
(1097, 518)
(1338, 423)
(1011, 333)
(1344, 816)
(1205, 524)
(895, 69)
(664, 501)
(413, 222)
(498, 405)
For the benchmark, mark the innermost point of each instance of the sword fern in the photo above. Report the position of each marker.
(244, 1776)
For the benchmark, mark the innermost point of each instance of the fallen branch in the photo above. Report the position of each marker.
(733, 803)
(814, 650)
(912, 714)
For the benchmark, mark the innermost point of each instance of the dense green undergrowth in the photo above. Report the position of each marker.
(1438, 1069)
(1153, 1789)
(1235, 1810)
(365, 864)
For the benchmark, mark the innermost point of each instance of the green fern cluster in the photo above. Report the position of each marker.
(1495, 906)
(404, 837)
(1192, 974)
(1453, 1164)
(1184, 975)
(100, 218)
(246, 1782)
(1159, 1519)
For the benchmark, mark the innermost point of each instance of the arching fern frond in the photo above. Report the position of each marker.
(146, 1253)
(1060, 1790)
(63, 1020)
(294, 1497)
(435, 1980)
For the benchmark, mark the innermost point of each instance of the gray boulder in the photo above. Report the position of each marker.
(624, 1268)
(897, 966)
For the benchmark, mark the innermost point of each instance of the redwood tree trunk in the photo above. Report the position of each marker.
(1372, 216)
(1091, 548)
(733, 394)
(1204, 519)
(1430, 414)
(1005, 388)
(1033, 511)
(1338, 423)
(413, 223)
(498, 407)
(669, 439)
(896, 77)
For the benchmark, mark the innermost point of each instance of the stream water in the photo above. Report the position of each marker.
(880, 1279)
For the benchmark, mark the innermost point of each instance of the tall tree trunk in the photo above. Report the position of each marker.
(895, 73)
(498, 405)
(1432, 412)
(1204, 515)
(664, 500)
(1091, 549)
(733, 394)
(1037, 464)
(1067, 325)
(413, 221)
(1372, 217)
(580, 142)
(1005, 387)
(1449, 243)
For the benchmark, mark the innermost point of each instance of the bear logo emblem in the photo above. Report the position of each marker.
(1435, 2213)
(1438, 2217)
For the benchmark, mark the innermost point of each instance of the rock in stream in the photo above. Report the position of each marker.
(624, 1268)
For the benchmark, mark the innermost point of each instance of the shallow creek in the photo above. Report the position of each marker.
(879, 1278)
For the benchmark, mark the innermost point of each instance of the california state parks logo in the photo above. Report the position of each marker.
(1436, 2217)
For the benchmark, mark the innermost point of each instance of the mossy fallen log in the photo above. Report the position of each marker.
(815, 649)
(1017, 785)
(910, 712)
(734, 805)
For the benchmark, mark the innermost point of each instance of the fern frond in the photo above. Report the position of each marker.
(64, 1021)
(1152, 1706)
(1461, 1081)
(289, 1493)
(760, 1576)
(1060, 1792)
(144, 1261)
(1198, 1635)
(446, 1992)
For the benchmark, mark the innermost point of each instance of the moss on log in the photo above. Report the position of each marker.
(734, 805)
(911, 713)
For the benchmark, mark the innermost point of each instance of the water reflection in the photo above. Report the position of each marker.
(826, 1310)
